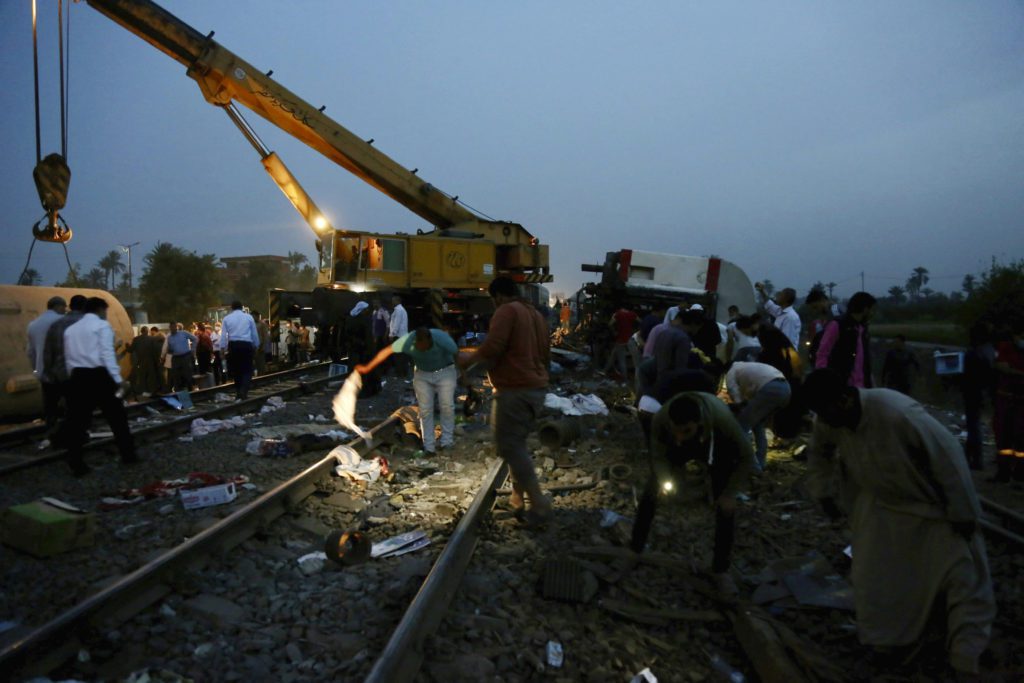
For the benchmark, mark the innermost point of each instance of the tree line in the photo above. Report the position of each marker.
(177, 284)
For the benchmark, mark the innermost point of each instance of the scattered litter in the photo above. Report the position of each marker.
(312, 563)
(645, 676)
(167, 611)
(208, 496)
(203, 650)
(184, 398)
(344, 405)
(45, 443)
(126, 532)
(400, 544)
(271, 448)
(555, 368)
(577, 404)
(186, 439)
(555, 654)
(318, 418)
(610, 518)
(273, 403)
(786, 517)
(172, 402)
(221, 397)
(163, 488)
(352, 466)
(201, 427)
(808, 579)
(848, 551)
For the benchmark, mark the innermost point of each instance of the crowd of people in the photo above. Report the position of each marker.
(875, 456)
(706, 395)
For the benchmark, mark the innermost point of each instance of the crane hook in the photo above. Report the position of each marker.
(52, 177)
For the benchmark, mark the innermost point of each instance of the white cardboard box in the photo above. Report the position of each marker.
(208, 495)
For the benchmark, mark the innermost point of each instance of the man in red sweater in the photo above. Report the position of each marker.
(516, 353)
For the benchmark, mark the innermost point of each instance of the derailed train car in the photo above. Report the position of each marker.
(22, 396)
(635, 279)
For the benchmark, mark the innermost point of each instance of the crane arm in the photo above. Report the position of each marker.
(224, 77)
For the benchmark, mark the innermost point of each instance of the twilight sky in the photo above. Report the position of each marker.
(803, 141)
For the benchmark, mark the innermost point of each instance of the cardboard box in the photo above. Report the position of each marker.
(44, 528)
(208, 495)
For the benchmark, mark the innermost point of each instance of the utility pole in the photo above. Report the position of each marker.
(861, 277)
(128, 248)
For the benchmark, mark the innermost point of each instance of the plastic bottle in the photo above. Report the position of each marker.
(723, 667)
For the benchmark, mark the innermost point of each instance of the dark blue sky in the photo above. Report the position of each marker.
(802, 140)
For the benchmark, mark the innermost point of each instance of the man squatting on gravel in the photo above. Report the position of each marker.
(697, 426)
(517, 353)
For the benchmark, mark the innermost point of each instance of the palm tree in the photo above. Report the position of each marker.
(95, 279)
(830, 286)
(30, 277)
(896, 294)
(111, 265)
(917, 281)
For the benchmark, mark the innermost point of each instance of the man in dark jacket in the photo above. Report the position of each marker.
(697, 427)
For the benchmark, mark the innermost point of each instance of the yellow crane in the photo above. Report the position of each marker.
(462, 252)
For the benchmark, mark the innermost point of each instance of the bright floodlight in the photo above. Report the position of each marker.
(319, 222)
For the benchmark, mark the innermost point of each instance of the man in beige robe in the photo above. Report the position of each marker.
(902, 479)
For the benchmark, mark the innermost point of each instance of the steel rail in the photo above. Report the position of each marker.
(16, 435)
(403, 655)
(136, 591)
(179, 424)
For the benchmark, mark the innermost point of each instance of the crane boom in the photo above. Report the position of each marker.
(224, 77)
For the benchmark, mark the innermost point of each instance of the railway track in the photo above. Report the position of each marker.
(154, 420)
(232, 603)
(16, 435)
(45, 648)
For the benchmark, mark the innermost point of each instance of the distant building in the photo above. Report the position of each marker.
(236, 268)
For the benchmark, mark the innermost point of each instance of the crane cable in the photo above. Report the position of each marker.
(65, 83)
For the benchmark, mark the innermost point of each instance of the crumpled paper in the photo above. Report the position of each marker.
(352, 466)
(201, 427)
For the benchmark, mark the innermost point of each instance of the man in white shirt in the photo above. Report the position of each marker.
(55, 309)
(787, 320)
(239, 340)
(763, 391)
(95, 381)
(398, 327)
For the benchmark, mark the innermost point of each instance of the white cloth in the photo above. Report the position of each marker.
(903, 481)
(37, 338)
(787, 320)
(89, 343)
(746, 379)
(740, 340)
(671, 313)
(238, 326)
(399, 323)
(577, 404)
(344, 404)
(358, 308)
